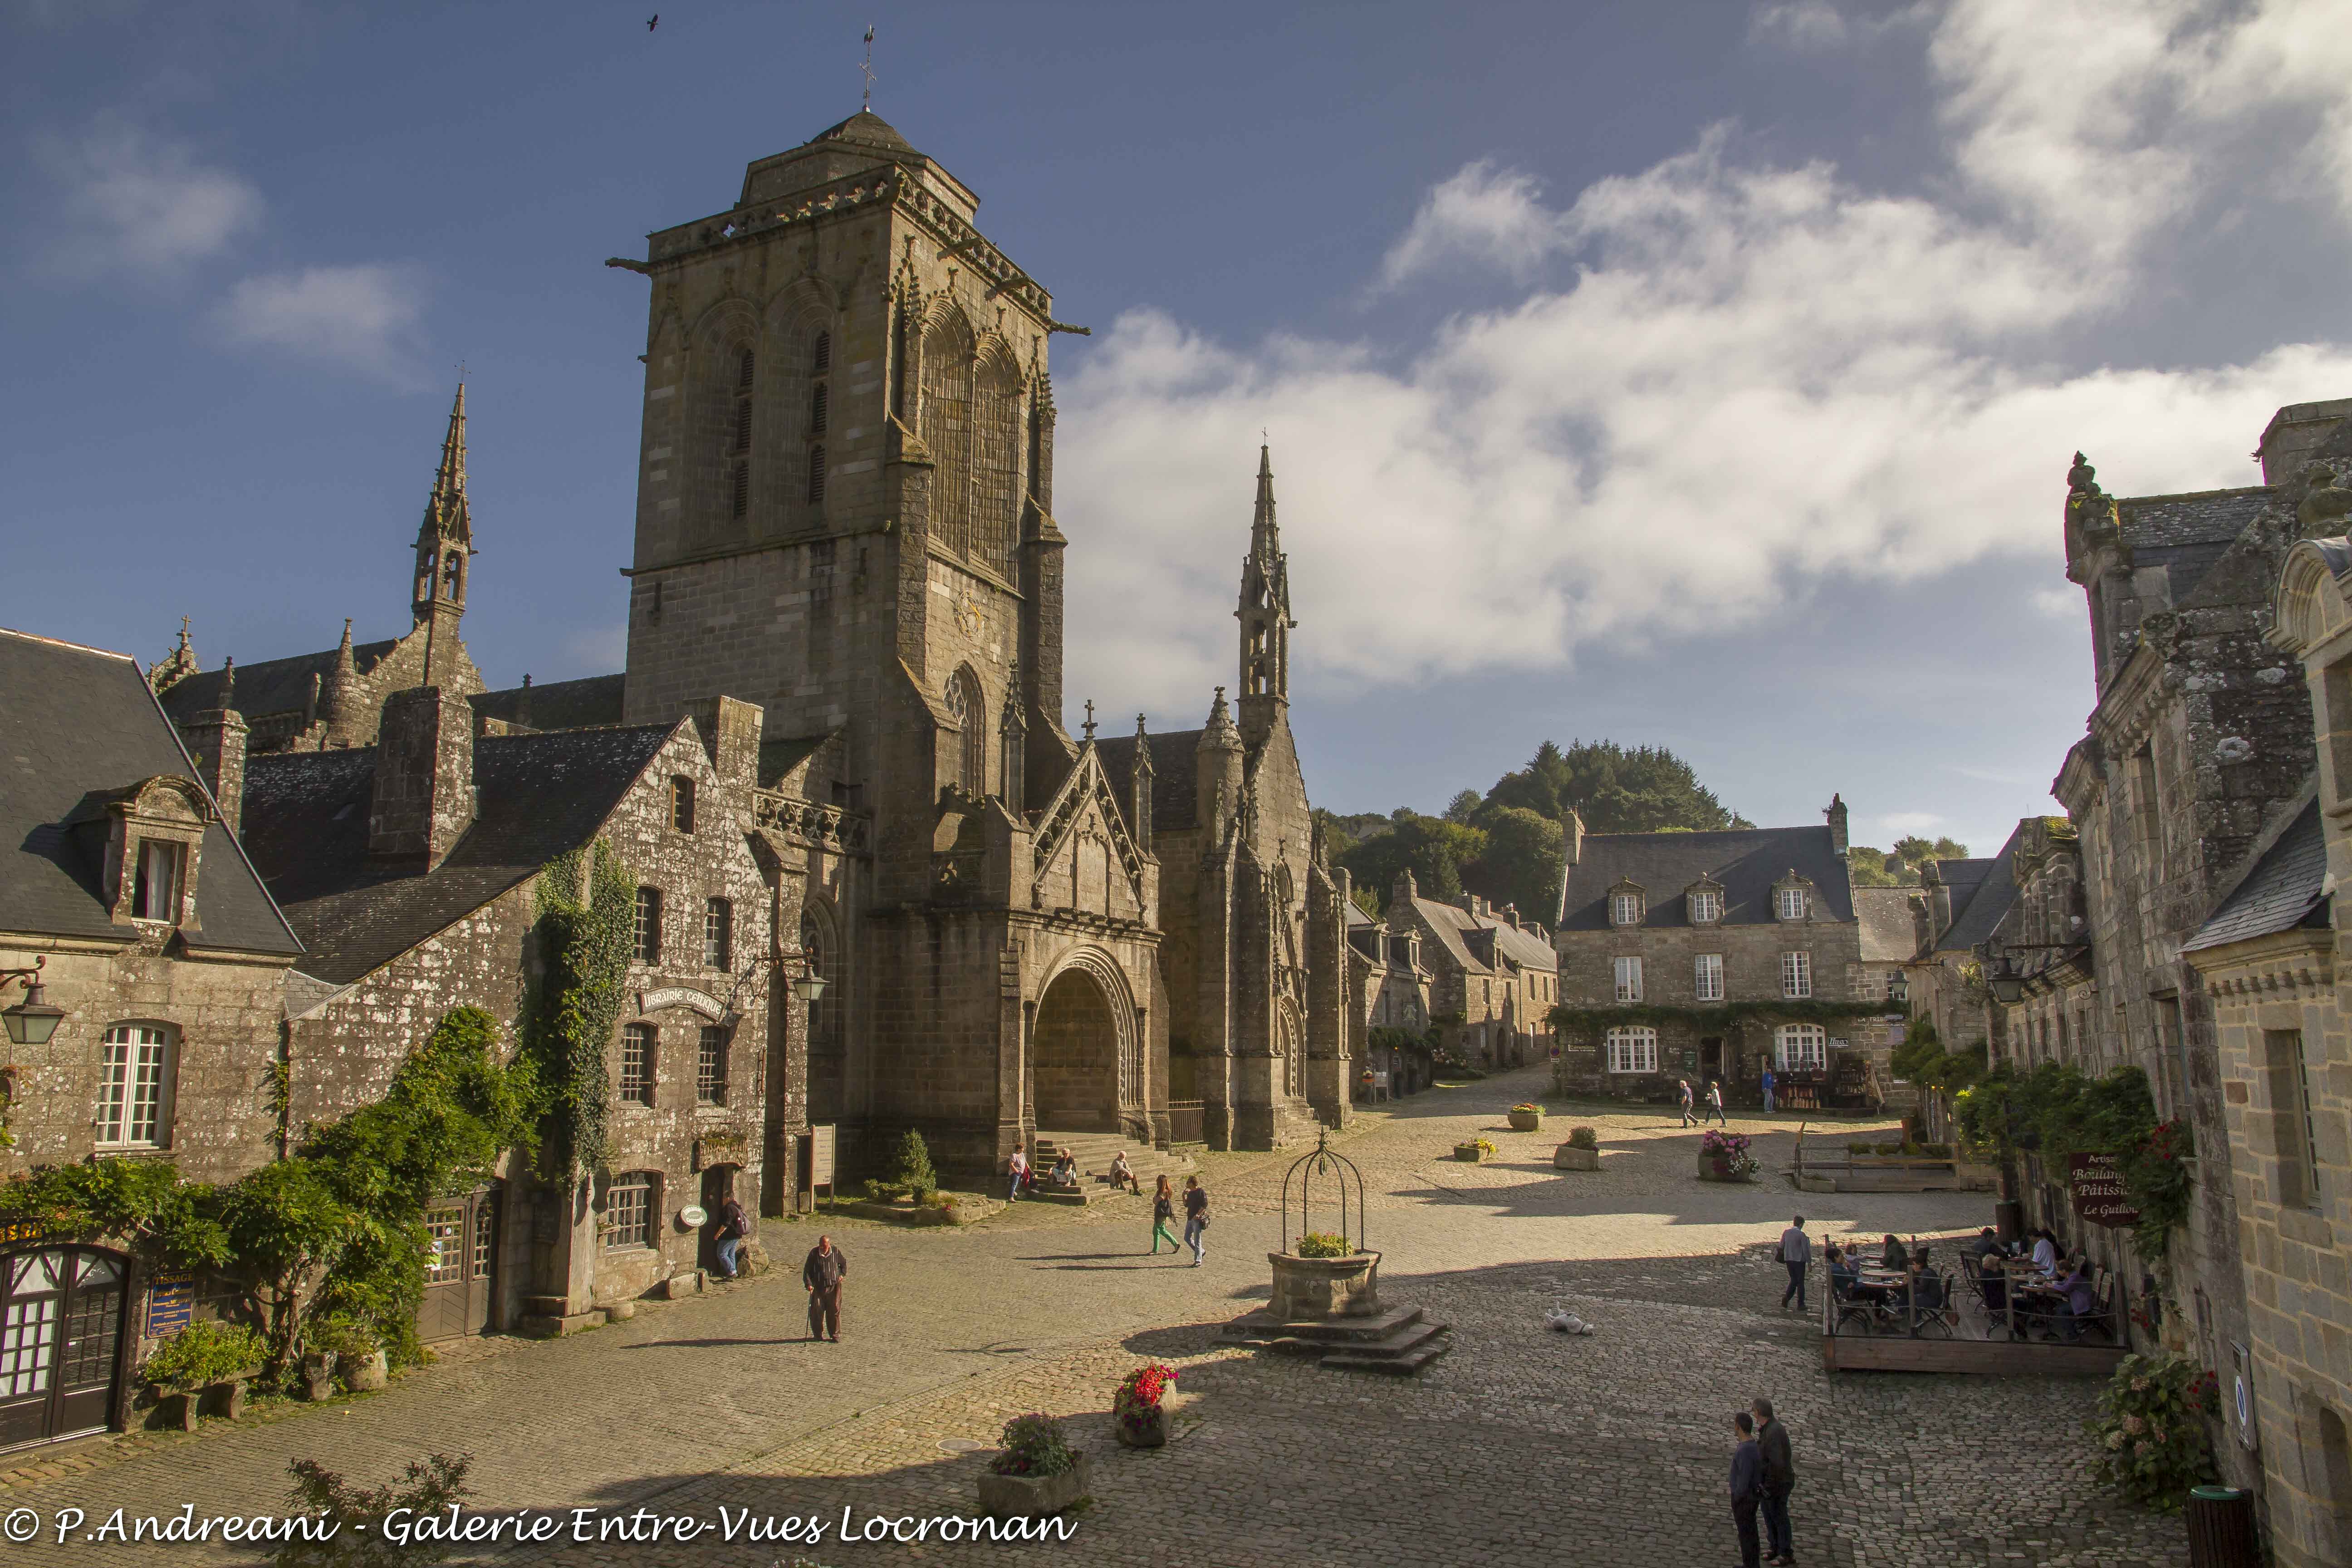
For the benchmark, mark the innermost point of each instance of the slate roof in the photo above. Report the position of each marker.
(273, 686)
(2287, 887)
(1993, 895)
(868, 128)
(1885, 915)
(1746, 860)
(306, 822)
(1479, 943)
(2185, 534)
(75, 722)
(1175, 775)
(558, 705)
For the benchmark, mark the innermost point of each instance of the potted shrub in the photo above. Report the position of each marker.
(1475, 1151)
(1526, 1116)
(330, 1343)
(1037, 1474)
(1581, 1152)
(209, 1357)
(1724, 1157)
(1141, 1407)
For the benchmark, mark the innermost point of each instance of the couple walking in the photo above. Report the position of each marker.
(1196, 1218)
(1763, 1473)
(1714, 1105)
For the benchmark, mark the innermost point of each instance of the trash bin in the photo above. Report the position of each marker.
(2221, 1528)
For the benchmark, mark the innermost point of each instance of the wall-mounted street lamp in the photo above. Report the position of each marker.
(807, 984)
(32, 1021)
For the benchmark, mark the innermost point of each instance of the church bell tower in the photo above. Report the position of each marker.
(444, 550)
(1264, 616)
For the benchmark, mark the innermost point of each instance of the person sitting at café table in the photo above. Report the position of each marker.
(1995, 1279)
(1892, 1256)
(1988, 1244)
(2045, 1252)
(1840, 1263)
(2082, 1298)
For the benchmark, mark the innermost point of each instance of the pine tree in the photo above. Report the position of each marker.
(914, 1171)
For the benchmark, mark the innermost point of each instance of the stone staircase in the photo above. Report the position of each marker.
(1094, 1152)
(1399, 1342)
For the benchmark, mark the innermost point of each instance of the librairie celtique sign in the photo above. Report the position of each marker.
(2096, 1187)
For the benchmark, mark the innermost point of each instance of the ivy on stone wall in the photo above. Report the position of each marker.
(587, 927)
(1569, 1017)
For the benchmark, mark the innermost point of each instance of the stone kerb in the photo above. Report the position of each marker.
(1308, 1289)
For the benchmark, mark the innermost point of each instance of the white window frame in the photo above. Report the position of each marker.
(134, 1087)
(1707, 977)
(1796, 974)
(1627, 970)
(1788, 903)
(1706, 907)
(161, 880)
(1633, 1050)
(1800, 1048)
(1625, 908)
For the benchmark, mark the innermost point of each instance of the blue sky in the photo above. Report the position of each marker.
(1702, 375)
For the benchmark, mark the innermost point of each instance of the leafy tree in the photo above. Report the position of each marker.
(1433, 849)
(1615, 788)
(143, 1202)
(1522, 862)
(1464, 808)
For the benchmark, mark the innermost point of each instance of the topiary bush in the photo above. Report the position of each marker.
(914, 1171)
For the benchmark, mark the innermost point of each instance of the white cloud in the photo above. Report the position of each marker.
(1760, 378)
(363, 317)
(136, 200)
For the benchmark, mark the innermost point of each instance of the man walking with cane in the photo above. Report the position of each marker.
(822, 1274)
(1796, 1252)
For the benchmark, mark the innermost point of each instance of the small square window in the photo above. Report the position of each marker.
(629, 1211)
(637, 1064)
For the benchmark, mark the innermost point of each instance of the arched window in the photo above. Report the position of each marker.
(996, 460)
(965, 708)
(453, 572)
(947, 428)
(824, 1013)
(740, 436)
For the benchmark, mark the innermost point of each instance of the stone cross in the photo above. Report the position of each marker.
(1089, 725)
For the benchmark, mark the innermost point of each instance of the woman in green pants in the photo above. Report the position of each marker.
(1163, 1215)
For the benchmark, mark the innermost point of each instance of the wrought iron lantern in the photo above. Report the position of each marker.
(1324, 1175)
(32, 1021)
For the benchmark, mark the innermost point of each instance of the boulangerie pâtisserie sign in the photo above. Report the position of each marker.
(2096, 1188)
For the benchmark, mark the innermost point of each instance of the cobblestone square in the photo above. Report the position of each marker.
(1521, 1446)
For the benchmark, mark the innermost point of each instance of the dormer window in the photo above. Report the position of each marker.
(1627, 904)
(1705, 906)
(162, 871)
(1788, 903)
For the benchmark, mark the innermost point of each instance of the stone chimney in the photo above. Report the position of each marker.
(1938, 899)
(1836, 813)
(731, 730)
(424, 776)
(1403, 890)
(1574, 834)
(217, 742)
(2296, 433)
(1510, 915)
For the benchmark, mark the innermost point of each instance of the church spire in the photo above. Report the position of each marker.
(445, 542)
(1265, 614)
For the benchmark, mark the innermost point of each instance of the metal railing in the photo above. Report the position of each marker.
(1187, 1122)
(1960, 1304)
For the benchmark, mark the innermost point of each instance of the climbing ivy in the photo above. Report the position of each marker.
(587, 915)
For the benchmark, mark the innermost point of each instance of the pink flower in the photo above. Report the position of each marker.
(2135, 1426)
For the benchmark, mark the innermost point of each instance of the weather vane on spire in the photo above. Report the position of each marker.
(867, 105)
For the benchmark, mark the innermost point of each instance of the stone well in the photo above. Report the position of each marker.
(1307, 1290)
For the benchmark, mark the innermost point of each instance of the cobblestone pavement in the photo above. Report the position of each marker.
(1520, 1447)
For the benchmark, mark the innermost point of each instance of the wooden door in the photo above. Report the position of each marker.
(60, 1342)
(461, 1266)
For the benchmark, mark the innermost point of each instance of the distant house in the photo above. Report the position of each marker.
(1493, 977)
(1671, 931)
(1387, 1012)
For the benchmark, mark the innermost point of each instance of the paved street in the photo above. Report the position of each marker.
(1521, 1446)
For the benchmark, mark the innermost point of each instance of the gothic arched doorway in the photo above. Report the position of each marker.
(1083, 1071)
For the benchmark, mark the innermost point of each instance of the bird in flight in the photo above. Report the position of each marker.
(653, 21)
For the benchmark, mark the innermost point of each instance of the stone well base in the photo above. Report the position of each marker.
(1305, 1289)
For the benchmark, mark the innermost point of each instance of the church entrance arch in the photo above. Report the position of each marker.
(1085, 1066)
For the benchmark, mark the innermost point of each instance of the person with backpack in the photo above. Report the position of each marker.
(1163, 1215)
(1196, 1219)
(734, 1225)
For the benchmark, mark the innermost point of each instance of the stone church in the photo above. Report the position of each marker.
(844, 524)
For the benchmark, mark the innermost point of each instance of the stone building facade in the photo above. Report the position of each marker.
(124, 884)
(415, 865)
(1493, 978)
(1389, 1011)
(1680, 926)
(2199, 737)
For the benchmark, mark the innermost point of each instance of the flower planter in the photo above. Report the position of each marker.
(1035, 1496)
(1568, 1157)
(1527, 1121)
(1718, 1168)
(180, 1409)
(1308, 1289)
(1470, 1153)
(1156, 1425)
(226, 1399)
